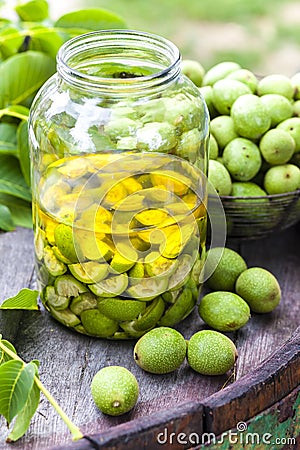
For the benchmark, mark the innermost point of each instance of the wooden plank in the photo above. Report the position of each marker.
(17, 271)
(154, 433)
(270, 382)
(266, 332)
(276, 427)
(69, 360)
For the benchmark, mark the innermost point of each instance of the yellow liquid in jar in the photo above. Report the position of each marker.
(124, 226)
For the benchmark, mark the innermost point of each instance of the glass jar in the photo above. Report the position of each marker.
(118, 142)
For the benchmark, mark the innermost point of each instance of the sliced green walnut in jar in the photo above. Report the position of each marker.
(120, 309)
(89, 272)
(176, 238)
(52, 264)
(52, 189)
(156, 137)
(172, 181)
(171, 296)
(182, 272)
(151, 217)
(146, 289)
(54, 300)
(121, 263)
(121, 127)
(137, 271)
(157, 265)
(74, 167)
(97, 324)
(110, 287)
(66, 317)
(189, 145)
(60, 256)
(68, 286)
(82, 302)
(64, 240)
(146, 320)
(179, 310)
(40, 242)
(182, 112)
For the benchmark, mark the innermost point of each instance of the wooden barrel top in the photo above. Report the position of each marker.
(264, 383)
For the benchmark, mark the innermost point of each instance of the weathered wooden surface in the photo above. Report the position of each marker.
(69, 360)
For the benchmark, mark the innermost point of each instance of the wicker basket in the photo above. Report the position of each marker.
(258, 217)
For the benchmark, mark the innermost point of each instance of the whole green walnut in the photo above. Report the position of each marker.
(223, 130)
(292, 126)
(211, 353)
(219, 71)
(161, 350)
(246, 189)
(213, 148)
(250, 116)
(277, 146)
(242, 159)
(282, 178)
(224, 311)
(225, 92)
(114, 390)
(278, 107)
(193, 70)
(245, 76)
(259, 288)
(295, 80)
(219, 177)
(223, 266)
(276, 84)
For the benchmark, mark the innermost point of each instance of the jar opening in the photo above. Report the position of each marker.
(118, 61)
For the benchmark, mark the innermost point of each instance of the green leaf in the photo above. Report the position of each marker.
(4, 356)
(25, 299)
(44, 39)
(22, 75)
(20, 210)
(25, 415)
(11, 179)
(90, 19)
(16, 381)
(8, 139)
(18, 111)
(10, 41)
(6, 220)
(24, 151)
(33, 11)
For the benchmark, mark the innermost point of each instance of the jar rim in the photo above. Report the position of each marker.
(118, 39)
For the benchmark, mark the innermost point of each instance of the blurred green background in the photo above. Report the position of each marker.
(262, 35)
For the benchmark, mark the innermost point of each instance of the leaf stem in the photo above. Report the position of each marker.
(7, 112)
(74, 430)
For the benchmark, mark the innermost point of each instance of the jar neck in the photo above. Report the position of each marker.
(119, 62)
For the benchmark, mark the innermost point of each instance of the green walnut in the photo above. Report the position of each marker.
(250, 116)
(259, 288)
(161, 350)
(115, 390)
(211, 353)
(224, 311)
(242, 159)
(223, 266)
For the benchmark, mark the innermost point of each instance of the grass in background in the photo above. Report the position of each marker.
(149, 14)
(180, 20)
